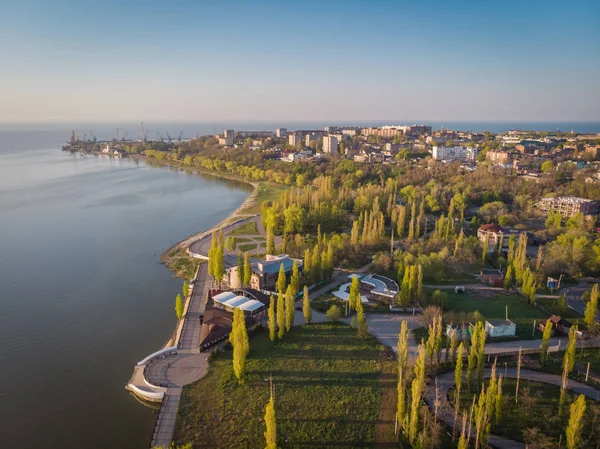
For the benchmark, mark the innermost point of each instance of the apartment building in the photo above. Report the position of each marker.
(568, 205)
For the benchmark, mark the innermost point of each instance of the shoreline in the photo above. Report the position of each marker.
(248, 202)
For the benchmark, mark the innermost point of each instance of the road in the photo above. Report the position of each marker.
(185, 367)
(574, 294)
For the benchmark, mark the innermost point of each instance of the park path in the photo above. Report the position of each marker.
(445, 410)
(187, 366)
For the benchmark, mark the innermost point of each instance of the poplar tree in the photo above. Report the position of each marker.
(272, 323)
(591, 310)
(247, 270)
(401, 224)
(403, 345)
(240, 268)
(306, 306)
(211, 254)
(179, 307)
(307, 265)
(519, 360)
(509, 276)
(499, 400)
(575, 426)
(186, 289)
(270, 244)
(419, 282)
(404, 297)
(219, 264)
(354, 234)
(411, 226)
(413, 282)
(241, 346)
(295, 278)
(484, 252)
(281, 279)
(354, 297)
(569, 358)
(417, 386)
(361, 321)
(290, 313)
(453, 344)
(401, 405)
(270, 424)
(480, 351)
(280, 315)
(546, 341)
(458, 375)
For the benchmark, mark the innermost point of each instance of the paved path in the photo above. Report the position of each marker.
(445, 381)
(185, 367)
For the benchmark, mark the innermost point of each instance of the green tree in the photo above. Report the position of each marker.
(211, 254)
(508, 277)
(281, 279)
(334, 313)
(270, 241)
(458, 375)
(280, 315)
(240, 267)
(290, 313)
(547, 166)
(403, 345)
(417, 387)
(546, 341)
(354, 297)
(247, 270)
(240, 343)
(306, 306)
(575, 426)
(272, 319)
(591, 310)
(219, 264)
(569, 357)
(361, 321)
(186, 289)
(179, 307)
(295, 279)
(271, 425)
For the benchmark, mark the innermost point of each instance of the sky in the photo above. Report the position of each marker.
(188, 60)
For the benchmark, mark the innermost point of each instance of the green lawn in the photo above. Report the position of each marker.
(246, 246)
(537, 407)
(331, 389)
(550, 305)
(248, 228)
(519, 311)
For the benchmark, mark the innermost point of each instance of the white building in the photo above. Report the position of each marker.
(281, 132)
(330, 144)
(311, 138)
(500, 328)
(295, 137)
(448, 154)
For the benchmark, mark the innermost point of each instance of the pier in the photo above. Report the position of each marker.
(161, 376)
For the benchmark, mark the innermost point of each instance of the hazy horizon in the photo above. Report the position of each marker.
(270, 61)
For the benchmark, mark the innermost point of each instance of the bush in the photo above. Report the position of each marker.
(334, 313)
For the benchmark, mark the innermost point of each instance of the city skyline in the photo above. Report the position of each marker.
(338, 62)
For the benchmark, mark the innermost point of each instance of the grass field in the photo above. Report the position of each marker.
(519, 311)
(181, 263)
(537, 407)
(248, 228)
(331, 389)
(246, 246)
(567, 313)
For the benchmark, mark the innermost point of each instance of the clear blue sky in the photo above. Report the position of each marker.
(311, 60)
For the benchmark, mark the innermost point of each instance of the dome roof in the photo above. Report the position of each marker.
(491, 227)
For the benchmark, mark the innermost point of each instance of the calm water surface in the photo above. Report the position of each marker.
(83, 295)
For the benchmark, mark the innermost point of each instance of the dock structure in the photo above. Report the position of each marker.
(161, 376)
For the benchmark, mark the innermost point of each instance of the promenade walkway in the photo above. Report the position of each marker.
(445, 410)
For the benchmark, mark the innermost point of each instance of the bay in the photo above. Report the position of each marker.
(83, 295)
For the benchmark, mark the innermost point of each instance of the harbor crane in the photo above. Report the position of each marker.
(125, 136)
(180, 136)
(168, 136)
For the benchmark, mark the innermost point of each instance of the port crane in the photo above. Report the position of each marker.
(168, 136)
